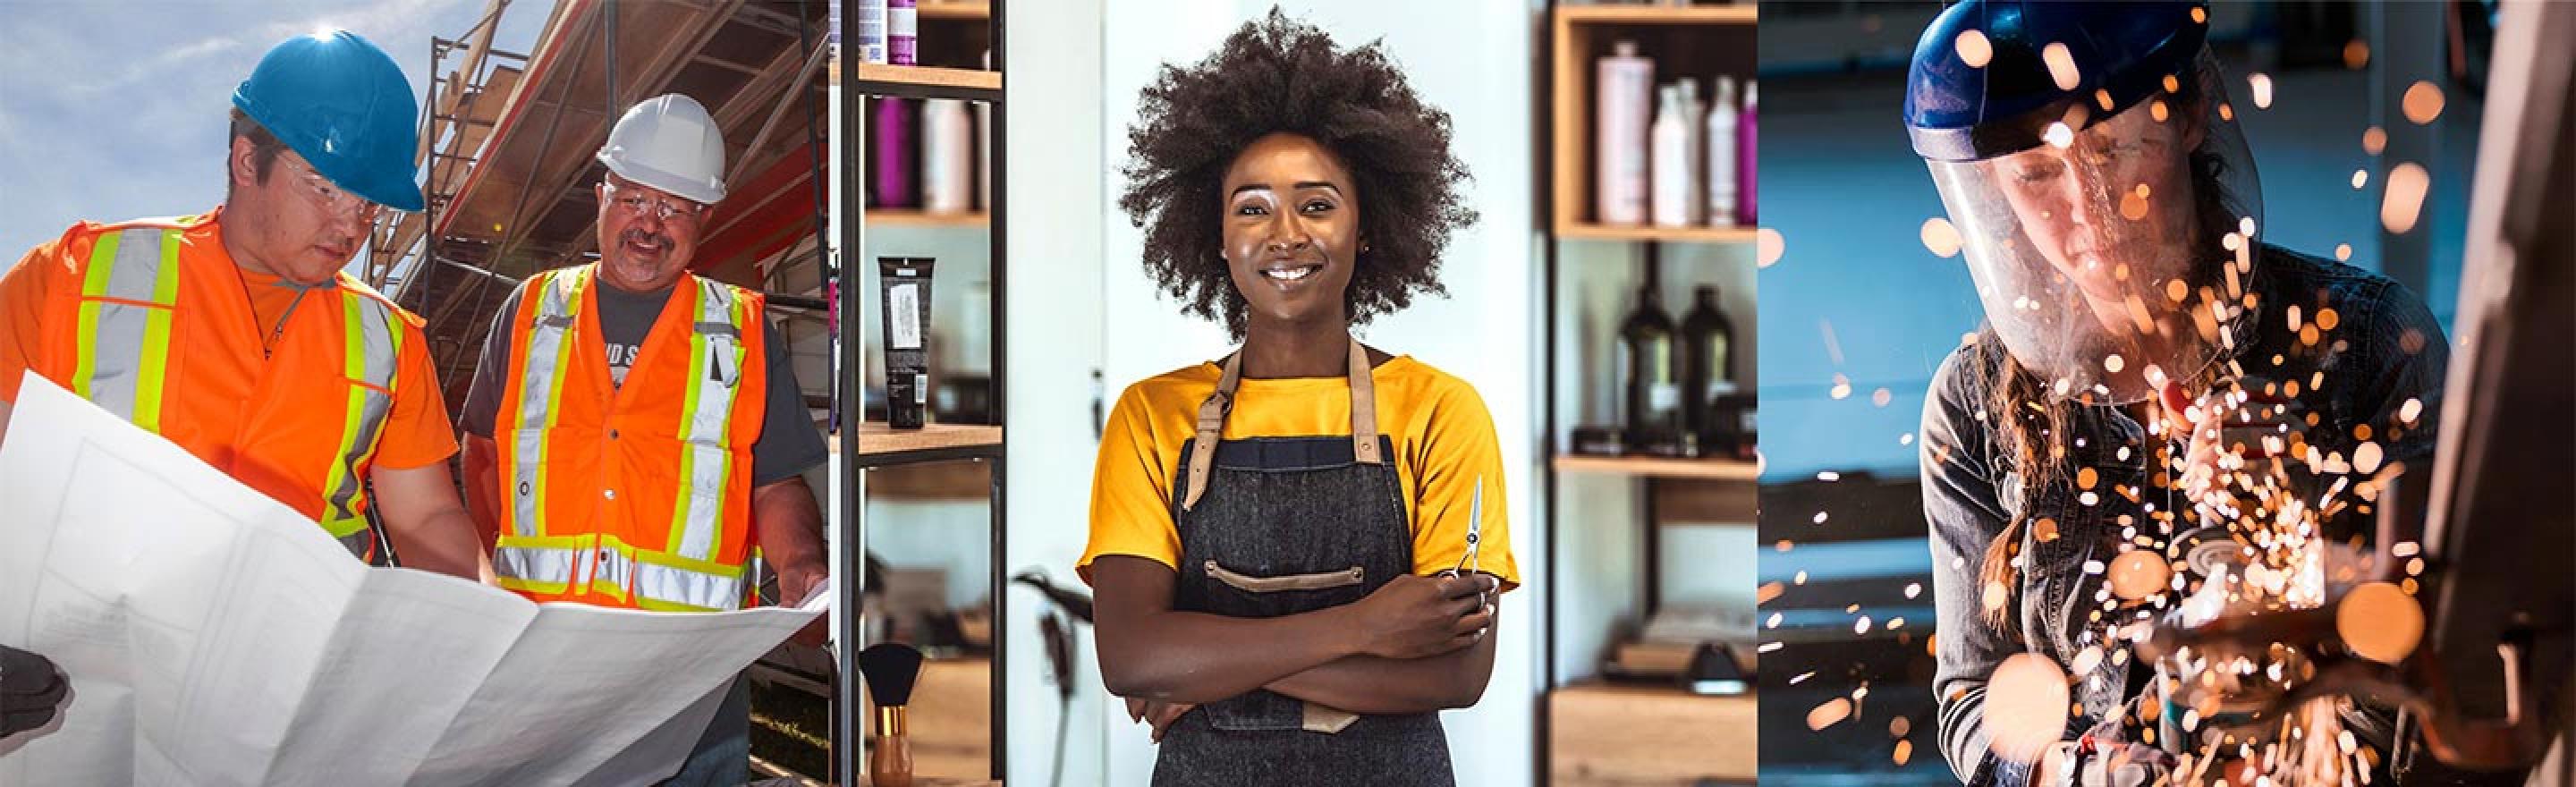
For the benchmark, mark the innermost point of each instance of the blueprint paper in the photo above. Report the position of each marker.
(215, 637)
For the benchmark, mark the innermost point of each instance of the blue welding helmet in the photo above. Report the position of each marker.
(2091, 164)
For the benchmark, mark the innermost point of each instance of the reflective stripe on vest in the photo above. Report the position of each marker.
(604, 565)
(715, 367)
(530, 559)
(540, 389)
(374, 349)
(126, 299)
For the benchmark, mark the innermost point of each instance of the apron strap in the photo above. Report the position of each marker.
(1363, 408)
(1213, 410)
(1211, 426)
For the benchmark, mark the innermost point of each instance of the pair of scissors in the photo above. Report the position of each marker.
(1475, 525)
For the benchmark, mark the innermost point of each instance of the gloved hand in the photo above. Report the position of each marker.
(31, 690)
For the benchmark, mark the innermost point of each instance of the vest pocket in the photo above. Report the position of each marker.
(1317, 581)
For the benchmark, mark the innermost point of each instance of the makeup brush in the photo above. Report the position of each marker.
(890, 669)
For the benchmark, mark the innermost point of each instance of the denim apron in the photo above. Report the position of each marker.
(1277, 526)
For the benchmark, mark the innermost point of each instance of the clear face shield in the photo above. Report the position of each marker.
(2114, 256)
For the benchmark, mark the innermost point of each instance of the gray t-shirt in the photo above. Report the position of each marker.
(788, 445)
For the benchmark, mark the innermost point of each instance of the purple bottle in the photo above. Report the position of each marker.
(902, 33)
(892, 146)
(1744, 160)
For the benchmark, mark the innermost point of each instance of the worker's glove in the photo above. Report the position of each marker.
(31, 690)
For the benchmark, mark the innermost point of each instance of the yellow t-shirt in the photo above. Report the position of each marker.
(1444, 442)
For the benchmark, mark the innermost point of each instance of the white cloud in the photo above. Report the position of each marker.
(116, 111)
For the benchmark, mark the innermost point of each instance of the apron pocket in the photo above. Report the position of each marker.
(1319, 581)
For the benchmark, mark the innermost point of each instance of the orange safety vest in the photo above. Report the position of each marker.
(161, 333)
(637, 495)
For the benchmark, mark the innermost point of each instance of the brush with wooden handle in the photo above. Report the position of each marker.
(890, 669)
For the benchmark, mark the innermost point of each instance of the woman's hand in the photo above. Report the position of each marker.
(2106, 765)
(1416, 616)
(2231, 427)
(1159, 715)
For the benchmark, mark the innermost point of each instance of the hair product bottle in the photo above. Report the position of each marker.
(1708, 371)
(1672, 160)
(868, 23)
(1694, 153)
(903, 33)
(947, 157)
(1722, 153)
(1623, 85)
(1744, 146)
(1653, 402)
(892, 154)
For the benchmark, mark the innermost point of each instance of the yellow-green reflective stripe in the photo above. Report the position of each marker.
(368, 355)
(531, 587)
(341, 527)
(102, 262)
(540, 390)
(715, 337)
(682, 530)
(156, 337)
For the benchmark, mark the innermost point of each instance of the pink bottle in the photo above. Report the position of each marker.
(1744, 159)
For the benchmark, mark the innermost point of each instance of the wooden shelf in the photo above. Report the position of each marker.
(955, 9)
(1605, 734)
(928, 82)
(879, 444)
(1743, 14)
(1661, 467)
(1684, 41)
(906, 217)
(1587, 231)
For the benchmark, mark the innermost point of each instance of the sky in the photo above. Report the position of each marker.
(115, 109)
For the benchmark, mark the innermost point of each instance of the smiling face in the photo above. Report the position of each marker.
(1291, 225)
(647, 236)
(290, 221)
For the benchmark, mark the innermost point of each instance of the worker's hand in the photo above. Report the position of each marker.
(794, 584)
(1416, 616)
(31, 691)
(2109, 765)
(1159, 715)
(2232, 429)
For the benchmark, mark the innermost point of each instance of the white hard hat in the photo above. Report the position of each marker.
(669, 142)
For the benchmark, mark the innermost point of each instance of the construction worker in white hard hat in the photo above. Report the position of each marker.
(635, 432)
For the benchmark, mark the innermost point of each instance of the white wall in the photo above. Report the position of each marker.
(1472, 60)
(1053, 334)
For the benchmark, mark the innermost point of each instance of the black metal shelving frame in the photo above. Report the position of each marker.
(848, 762)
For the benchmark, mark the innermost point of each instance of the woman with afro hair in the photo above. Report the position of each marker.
(1296, 548)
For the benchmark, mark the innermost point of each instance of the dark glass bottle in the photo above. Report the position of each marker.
(1708, 369)
(1647, 365)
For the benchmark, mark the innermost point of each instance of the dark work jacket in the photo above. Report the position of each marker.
(2385, 349)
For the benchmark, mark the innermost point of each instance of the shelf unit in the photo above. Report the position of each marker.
(1660, 467)
(1590, 732)
(904, 217)
(866, 445)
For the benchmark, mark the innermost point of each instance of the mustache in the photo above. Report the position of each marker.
(639, 237)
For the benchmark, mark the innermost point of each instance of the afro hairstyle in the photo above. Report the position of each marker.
(1282, 75)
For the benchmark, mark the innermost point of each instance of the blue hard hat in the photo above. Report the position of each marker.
(339, 101)
(2122, 51)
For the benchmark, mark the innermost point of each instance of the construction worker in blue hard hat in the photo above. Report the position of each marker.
(234, 334)
(2155, 387)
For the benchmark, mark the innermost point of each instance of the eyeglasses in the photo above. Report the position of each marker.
(636, 202)
(331, 197)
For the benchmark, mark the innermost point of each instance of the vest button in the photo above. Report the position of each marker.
(612, 434)
(611, 493)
